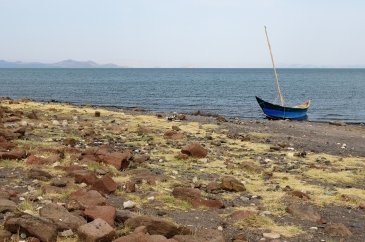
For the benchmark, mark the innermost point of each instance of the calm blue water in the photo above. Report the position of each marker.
(336, 94)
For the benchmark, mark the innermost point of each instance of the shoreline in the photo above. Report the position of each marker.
(192, 113)
(241, 180)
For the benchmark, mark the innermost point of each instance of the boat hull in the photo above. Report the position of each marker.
(274, 111)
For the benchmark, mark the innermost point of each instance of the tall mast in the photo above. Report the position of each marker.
(281, 98)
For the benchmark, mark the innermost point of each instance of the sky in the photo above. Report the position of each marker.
(185, 33)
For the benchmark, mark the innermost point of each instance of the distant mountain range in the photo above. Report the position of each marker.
(61, 64)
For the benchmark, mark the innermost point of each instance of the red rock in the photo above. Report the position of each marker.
(40, 228)
(15, 154)
(141, 159)
(210, 203)
(6, 145)
(242, 214)
(120, 160)
(213, 186)
(298, 194)
(122, 215)
(84, 176)
(32, 115)
(172, 134)
(88, 198)
(107, 213)
(7, 205)
(130, 186)
(105, 185)
(337, 230)
(202, 235)
(4, 235)
(35, 160)
(61, 217)
(232, 184)
(153, 225)
(96, 231)
(362, 205)
(195, 150)
(304, 212)
(69, 142)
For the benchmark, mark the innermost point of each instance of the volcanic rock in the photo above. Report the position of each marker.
(232, 184)
(96, 231)
(107, 213)
(61, 217)
(153, 225)
(40, 228)
(195, 150)
(105, 185)
(87, 199)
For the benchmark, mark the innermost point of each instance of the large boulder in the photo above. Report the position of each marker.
(61, 217)
(105, 185)
(7, 205)
(232, 184)
(87, 199)
(41, 228)
(154, 225)
(84, 176)
(107, 213)
(96, 231)
(195, 150)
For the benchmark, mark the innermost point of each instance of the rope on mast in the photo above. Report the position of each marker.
(281, 98)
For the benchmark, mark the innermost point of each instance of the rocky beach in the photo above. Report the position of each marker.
(81, 173)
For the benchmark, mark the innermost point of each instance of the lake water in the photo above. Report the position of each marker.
(336, 94)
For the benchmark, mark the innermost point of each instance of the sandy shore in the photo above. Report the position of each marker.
(106, 172)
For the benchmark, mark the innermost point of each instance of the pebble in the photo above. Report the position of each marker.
(220, 228)
(271, 235)
(55, 122)
(64, 123)
(24, 123)
(129, 204)
(245, 199)
(313, 228)
(66, 233)
(151, 198)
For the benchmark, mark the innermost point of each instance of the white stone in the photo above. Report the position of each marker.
(151, 198)
(64, 123)
(66, 233)
(220, 228)
(271, 235)
(55, 122)
(313, 228)
(195, 179)
(203, 160)
(24, 123)
(129, 204)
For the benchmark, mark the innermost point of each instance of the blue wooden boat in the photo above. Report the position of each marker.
(276, 111)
